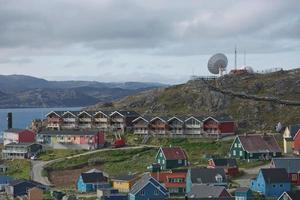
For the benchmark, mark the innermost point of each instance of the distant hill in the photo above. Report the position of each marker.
(25, 91)
(256, 101)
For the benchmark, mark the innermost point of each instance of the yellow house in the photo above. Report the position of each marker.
(288, 138)
(124, 183)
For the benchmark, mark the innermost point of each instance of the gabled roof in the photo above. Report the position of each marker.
(225, 162)
(179, 118)
(292, 165)
(125, 177)
(86, 112)
(104, 112)
(173, 153)
(293, 129)
(145, 180)
(221, 118)
(93, 177)
(73, 113)
(275, 175)
(162, 118)
(125, 113)
(58, 113)
(163, 176)
(259, 143)
(207, 175)
(203, 191)
(68, 132)
(198, 118)
(144, 118)
(242, 189)
(294, 195)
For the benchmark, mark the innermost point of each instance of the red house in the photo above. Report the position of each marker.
(296, 145)
(14, 135)
(292, 166)
(229, 165)
(173, 180)
(219, 126)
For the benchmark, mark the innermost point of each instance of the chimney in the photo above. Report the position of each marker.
(9, 120)
(245, 134)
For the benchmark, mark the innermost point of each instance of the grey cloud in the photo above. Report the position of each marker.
(18, 61)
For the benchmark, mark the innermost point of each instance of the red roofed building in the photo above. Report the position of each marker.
(219, 126)
(171, 157)
(173, 180)
(14, 135)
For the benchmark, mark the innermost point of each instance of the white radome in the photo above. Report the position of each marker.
(216, 63)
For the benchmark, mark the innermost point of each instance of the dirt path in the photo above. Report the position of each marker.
(38, 166)
(250, 173)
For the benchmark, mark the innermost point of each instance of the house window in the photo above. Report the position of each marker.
(219, 178)
(281, 185)
(142, 192)
(274, 154)
(241, 153)
(156, 192)
(163, 162)
(235, 145)
(294, 177)
(273, 186)
(179, 161)
(160, 154)
(234, 153)
(240, 145)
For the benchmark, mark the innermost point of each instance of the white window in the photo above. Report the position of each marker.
(251, 154)
(234, 153)
(142, 192)
(160, 154)
(240, 145)
(163, 162)
(241, 153)
(158, 161)
(235, 144)
(179, 161)
(156, 192)
(274, 154)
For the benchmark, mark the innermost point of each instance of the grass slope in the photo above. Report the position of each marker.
(18, 168)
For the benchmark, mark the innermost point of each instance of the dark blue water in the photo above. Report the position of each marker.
(23, 117)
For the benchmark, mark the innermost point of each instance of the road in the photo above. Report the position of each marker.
(250, 173)
(38, 166)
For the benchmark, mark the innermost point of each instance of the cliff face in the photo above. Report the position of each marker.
(256, 101)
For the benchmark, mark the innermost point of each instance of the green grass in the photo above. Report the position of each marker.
(198, 149)
(18, 168)
(113, 162)
(52, 154)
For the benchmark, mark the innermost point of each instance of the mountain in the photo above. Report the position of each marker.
(26, 91)
(256, 101)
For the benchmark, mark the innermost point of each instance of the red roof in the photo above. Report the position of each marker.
(259, 143)
(174, 153)
(163, 177)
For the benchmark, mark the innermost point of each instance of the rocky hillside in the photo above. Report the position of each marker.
(256, 101)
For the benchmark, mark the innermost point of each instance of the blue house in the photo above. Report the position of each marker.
(271, 182)
(4, 181)
(205, 176)
(91, 180)
(148, 188)
(243, 193)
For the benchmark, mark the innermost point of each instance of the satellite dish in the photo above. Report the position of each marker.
(217, 63)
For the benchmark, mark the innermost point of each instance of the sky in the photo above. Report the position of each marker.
(150, 41)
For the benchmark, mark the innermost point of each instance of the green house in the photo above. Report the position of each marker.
(248, 147)
(171, 157)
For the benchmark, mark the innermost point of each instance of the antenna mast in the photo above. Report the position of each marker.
(244, 58)
(235, 58)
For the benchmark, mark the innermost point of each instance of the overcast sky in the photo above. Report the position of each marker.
(133, 40)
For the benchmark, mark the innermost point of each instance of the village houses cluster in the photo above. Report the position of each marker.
(170, 176)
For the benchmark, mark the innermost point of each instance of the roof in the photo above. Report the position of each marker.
(17, 130)
(225, 162)
(20, 144)
(126, 113)
(207, 175)
(143, 181)
(105, 112)
(68, 132)
(203, 191)
(180, 118)
(162, 118)
(242, 189)
(275, 175)
(93, 177)
(174, 153)
(199, 118)
(25, 184)
(59, 113)
(294, 129)
(294, 195)
(125, 177)
(259, 143)
(220, 118)
(146, 118)
(292, 165)
(5, 179)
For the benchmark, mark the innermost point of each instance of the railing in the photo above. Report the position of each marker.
(13, 151)
(100, 119)
(85, 120)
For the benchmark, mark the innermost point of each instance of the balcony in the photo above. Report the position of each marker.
(196, 126)
(120, 120)
(85, 119)
(53, 120)
(69, 120)
(101, 120)
(84, 126)
(14, 151)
